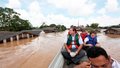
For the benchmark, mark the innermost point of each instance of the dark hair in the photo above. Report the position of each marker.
(74, 29)
(94, 52)
(92, 32)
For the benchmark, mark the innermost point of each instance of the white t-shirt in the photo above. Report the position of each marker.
(115, 64)
(73, 37)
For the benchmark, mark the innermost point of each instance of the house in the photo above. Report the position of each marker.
(115, 31)
(78, 28)
(49, 29)
(6, 36)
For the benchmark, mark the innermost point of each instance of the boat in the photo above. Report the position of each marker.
(59, 62)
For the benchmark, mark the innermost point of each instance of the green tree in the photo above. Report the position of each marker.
(94, 25)
(10, 21)
(87, 25)
(60, 27)
(43, 25)
(52, 25)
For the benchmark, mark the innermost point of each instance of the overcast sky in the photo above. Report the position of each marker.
(67, 12)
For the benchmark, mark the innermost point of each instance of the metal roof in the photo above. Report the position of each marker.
(8, 34)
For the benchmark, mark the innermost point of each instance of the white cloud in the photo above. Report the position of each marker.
(34, 14)
(75, 7)
(60, 19)
(23, 14)
(14, 4)
(105, 20)
(102, 11)
(110, 6)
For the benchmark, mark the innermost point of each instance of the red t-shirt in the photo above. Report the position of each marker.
(83, 35)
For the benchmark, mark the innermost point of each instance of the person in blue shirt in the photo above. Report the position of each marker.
(91, 40)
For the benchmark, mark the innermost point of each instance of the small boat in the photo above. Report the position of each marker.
(59, 61)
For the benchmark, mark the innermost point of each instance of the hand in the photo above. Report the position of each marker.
(72, 54)
(85, 65)
(76, 52)
(98, 45)
(89, 45)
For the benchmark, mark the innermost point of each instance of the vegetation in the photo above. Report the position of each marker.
(58, 27)
(113, 26)
(10, 21)
(93, 26)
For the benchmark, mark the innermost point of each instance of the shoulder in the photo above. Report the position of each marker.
(115, 64)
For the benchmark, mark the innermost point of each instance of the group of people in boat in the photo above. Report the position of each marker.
(79, 46)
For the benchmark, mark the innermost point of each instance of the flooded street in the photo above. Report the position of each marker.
(39, 52)
(30, 53)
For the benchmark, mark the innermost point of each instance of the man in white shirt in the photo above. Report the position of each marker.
(73, 47)
(100, 59)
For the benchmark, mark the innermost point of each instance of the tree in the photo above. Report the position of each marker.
(43, 25)
(52, 25)
(60, 27)
(10, 21)
(94, 25)
(87, 25)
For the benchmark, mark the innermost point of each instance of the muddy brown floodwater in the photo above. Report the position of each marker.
(39, 52)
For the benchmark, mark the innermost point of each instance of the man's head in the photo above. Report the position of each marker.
(98, 57)
(92, 34)
(73, 31)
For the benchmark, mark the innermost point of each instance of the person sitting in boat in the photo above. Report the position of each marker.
(100, 59)
(83, 34)
(91, 40)
(73, 47)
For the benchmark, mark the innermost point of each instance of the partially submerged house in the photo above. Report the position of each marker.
(49, 29)
(78, 28)
(115, 31)
(6, 36)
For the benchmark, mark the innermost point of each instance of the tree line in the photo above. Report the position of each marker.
(112, 26)
(57, 27)
(10, 21)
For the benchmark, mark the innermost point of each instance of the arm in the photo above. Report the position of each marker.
(68, 50)
(80, 46)
(98, 44)
(85, 65)
(85, 41)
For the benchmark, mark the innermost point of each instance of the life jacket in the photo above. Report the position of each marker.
(83, 36)
(92, 41)
(76, 41)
